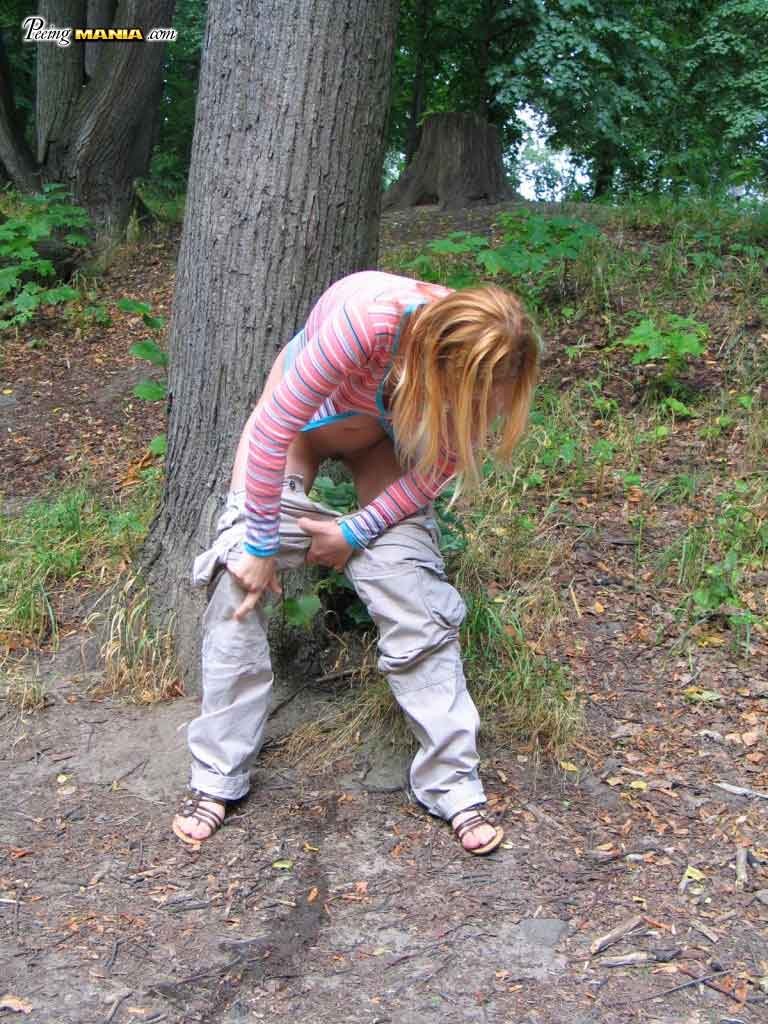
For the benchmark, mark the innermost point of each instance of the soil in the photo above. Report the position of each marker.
(329, 896)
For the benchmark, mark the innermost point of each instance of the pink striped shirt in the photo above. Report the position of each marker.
(343, 360)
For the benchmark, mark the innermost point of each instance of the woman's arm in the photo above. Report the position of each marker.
(343, 343)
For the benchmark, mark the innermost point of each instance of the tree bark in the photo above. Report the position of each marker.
(457, 164)
(100, 14)
(15, 155)
(424, 15)
(283, 199)
(110, 145)
(94, 114)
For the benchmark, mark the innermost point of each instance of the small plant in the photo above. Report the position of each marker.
(139, 661)
(26, 695)
(534, 254)
(38, 219)
(672, 343)
(149, 349)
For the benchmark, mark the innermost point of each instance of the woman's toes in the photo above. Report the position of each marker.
(197, 828)
(480, 836)
(476, 837)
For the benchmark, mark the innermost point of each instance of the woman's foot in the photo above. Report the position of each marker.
(475, 833)
(199, 817)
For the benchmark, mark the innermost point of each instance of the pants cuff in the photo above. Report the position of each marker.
(465, 794)
(225, 787)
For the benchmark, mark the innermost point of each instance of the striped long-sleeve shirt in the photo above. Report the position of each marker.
(338, 368)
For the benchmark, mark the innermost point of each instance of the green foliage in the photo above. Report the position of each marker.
(149, 349)
(671, 343)
(339, 496)
(38, 218)
(533, 256)
(57, 540)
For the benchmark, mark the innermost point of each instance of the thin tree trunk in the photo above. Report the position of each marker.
(283, 199)
(109, 144)
(15, 155)
(419, 89)
(60, 80)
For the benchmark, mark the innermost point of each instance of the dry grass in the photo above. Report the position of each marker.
(139, 660)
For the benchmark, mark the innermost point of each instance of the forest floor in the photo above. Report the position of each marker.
(329, 897)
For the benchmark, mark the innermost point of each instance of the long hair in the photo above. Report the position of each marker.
(463, 360)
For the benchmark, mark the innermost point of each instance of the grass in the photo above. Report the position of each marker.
(26, 695)
(57, 543)
(138, 654)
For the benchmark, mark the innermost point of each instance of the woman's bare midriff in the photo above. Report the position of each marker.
(358, 441)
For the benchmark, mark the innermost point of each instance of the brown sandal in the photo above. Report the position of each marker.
(478, 818)
(191, 808)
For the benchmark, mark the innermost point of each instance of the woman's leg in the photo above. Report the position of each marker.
(237, 677)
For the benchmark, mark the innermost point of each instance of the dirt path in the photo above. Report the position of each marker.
(325, 901)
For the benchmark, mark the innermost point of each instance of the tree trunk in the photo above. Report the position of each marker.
(424, 15)
(283, 199)
(458, 164)
(15, 155)
(94, 109)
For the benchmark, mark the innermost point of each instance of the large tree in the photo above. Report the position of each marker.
(95, 107)
(283, 199)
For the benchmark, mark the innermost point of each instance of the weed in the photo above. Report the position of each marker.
(672, 343)
(26, 695)
(36, 218)
(139, 661)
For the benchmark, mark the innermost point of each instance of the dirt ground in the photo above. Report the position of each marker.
(330, 897)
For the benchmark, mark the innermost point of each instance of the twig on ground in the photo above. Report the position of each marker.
(116, 1006)
(678, 988)
(650, 956)
(740, 790)
(712, 984)
(130, 771)
(742, 876)
(616, 934)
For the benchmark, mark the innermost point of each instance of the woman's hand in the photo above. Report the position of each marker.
(329, 545)
(257, 576)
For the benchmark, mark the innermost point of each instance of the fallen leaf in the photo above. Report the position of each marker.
(361, 888)
(749, 739)
(569, 766)
(694, 874)
(313, 894)
(598, 608)
(698, 696)
(10, 1002)
(282, 865)
(309, 848)
(638, 784)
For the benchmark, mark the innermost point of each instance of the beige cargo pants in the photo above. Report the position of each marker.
(401, 580)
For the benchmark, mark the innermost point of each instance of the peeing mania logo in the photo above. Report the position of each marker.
(37, 30)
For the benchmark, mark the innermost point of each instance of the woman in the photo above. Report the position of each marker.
(400, 380)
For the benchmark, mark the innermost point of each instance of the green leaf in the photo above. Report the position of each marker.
(150, 351)
(300, 611)
(159, 444)
(151, 391)
(282, 865)
(133, 306)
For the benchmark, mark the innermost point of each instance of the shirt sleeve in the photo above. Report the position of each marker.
(343, 344)
(401, 499)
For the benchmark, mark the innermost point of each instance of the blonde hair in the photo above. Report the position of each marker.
(458, 356)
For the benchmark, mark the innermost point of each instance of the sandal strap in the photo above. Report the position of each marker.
(470, 823)
(192, 807)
